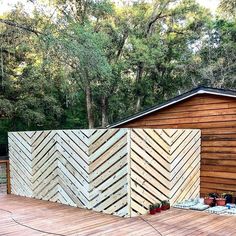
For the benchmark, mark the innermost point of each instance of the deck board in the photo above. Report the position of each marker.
(65, 220)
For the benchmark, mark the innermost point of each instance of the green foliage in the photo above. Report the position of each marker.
(92, 62)
(227, 8)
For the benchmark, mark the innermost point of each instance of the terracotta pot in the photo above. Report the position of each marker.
(164, 207)
(208, 201)
(158, 209)
(220, 201)
(152, 212)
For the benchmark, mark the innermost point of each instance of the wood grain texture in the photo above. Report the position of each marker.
(115, 171)
(82, 168)
(60, 219)
(165, 164)
(216, 117)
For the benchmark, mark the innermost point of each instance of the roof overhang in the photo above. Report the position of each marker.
(194, 92)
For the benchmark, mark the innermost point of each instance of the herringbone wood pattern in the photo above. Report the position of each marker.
(165, 164)
(108, 172)
(115, 171)
(84, 168)
(21, 163)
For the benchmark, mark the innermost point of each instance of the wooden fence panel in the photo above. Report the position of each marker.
(165, 164)
(108, 154)
(82, 168)
(185, 166)
(115, 171)
(20, 156)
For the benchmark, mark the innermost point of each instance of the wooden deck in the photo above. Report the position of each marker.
(59, 219)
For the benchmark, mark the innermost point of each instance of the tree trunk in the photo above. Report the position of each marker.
(104, 108)
(2, 71)
(138, 87)
(156, 14)
(89, 106)
(138, 104)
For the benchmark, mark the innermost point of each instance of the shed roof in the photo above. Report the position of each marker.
(184, 96)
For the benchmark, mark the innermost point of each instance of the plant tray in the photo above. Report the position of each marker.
(231, 211)
(199, 207)
(217, 209)
(185, 204)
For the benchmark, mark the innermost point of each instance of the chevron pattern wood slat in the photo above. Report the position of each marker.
(21, 163)
(165, 164)
(83, 168)
(108, 171)
(115, 171)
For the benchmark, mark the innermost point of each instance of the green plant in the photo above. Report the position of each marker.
(227, 193)
(165, 203)
(214, 195)
(152, 207)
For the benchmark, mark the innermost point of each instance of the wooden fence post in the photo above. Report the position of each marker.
(6, 162)
(8, 178)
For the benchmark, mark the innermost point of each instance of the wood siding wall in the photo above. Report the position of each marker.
(216, 117)
(115, 171)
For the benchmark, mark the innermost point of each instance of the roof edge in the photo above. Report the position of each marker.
(184, 96)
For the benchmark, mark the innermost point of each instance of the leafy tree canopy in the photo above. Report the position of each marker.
(85, 63)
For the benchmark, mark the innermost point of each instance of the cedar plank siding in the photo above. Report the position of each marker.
(216, 117)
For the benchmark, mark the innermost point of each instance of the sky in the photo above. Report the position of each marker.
(6, 5)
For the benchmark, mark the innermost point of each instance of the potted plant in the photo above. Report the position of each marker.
(221, 201)
(208, 200)
(165, 205)
(158, 207)
(152, 209)
(214, 195)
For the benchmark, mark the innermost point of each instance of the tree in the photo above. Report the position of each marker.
(85, 63)
(28, 95)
